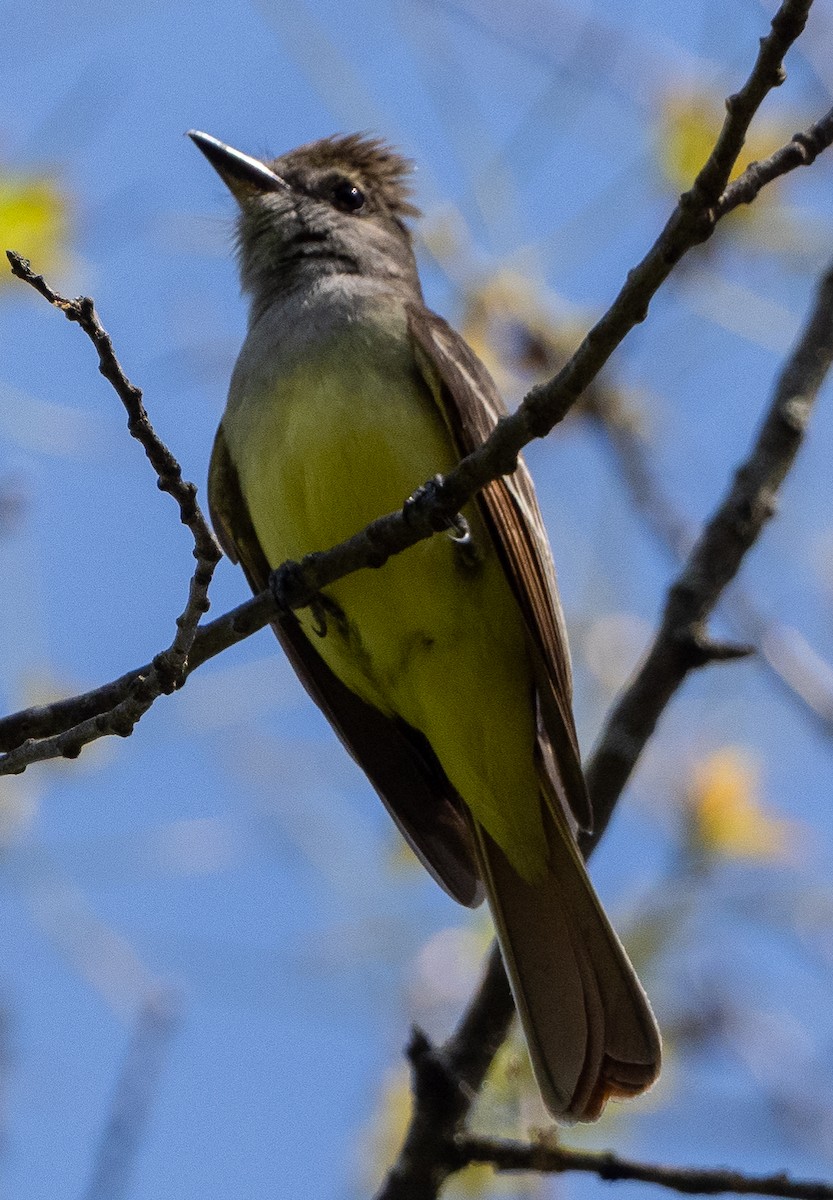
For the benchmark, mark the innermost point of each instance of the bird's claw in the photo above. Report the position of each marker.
(287, 585)
(420, 504)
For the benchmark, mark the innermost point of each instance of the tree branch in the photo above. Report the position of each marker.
(801, 150)
(713, 563)
(169, 668)
(446, 1081)
(169, 473)
(553, 1159)
(803, 675)
(32, 734)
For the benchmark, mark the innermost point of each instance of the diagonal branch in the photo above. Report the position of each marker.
(121, 1138)
(714, 561)
(46, 722)
(791, 662)
(82, 312)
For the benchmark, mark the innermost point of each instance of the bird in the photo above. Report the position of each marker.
(446, 672)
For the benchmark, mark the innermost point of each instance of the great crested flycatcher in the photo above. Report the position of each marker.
(446, 673)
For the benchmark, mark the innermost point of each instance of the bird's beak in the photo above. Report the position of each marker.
(241, 173)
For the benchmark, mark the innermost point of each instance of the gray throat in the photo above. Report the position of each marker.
(312, 267)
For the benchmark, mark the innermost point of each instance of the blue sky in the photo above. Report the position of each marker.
(229, 852)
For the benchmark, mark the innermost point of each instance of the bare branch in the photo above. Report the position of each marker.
(446, 1081)
(82, 312)
(23, 730)
(169, 668)
(714, 561)
(800, 151)
(546, 1158)
(803, 675)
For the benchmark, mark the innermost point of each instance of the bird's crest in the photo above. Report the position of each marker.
(382, 169)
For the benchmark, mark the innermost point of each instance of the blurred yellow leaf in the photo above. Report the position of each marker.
(486, 302)
(33, 220)
(689, 126)
(725, 809)
(381, 1140)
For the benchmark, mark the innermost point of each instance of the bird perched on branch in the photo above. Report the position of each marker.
(445, 673)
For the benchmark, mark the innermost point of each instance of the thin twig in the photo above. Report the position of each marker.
(23, 733)
(82, 312)
(127, 1119)
(553, 1159)
(169, 668)
(801, 150)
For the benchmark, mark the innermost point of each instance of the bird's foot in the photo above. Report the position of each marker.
(289, 586)
(421, 505)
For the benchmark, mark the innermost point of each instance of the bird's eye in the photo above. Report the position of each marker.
(347, 196)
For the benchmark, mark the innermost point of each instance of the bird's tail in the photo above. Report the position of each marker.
(588, 1024)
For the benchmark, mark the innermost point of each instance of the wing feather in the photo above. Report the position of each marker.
(472, 407)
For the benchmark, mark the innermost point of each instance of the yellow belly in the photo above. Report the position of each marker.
(429, 637)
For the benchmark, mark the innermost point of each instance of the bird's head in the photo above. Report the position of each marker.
(334, 206)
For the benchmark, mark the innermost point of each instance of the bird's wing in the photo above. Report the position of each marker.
(587, 1022)
(472, 408)
(396, 758)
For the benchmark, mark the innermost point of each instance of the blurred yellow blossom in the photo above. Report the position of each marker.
(725, 809)
(495, 299)
(381, 1140)
(33, 220)
(689, 126)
